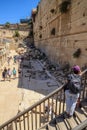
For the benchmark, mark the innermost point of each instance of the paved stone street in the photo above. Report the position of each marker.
(20, 93)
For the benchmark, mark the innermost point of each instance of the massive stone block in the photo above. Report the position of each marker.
(70, 30)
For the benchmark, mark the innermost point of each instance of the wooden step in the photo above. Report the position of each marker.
(61, 124)
(84, 104)
(80, 115)
(71, 122)
(51, 127)
(84, 110)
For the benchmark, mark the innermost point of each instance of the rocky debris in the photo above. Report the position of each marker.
(56, 70)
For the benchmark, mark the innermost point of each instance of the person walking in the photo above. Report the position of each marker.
(4, 74)
(5, 70)
(9, 73)
(8, 61)
(14, 59)
(14, 72)
(72, 90)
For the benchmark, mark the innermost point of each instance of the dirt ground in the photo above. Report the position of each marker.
(21, 92)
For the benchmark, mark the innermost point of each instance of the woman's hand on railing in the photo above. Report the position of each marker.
(81, 73)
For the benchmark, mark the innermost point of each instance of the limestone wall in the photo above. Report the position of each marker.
(8, 42)
(6, 33)
(70, 31)
(4, 52)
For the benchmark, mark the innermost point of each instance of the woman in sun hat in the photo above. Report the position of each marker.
(71, 93)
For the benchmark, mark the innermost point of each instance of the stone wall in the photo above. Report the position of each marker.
(8, 42)
(7, 35)
(59, 34)
(4, 52)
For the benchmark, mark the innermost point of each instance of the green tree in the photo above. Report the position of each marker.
(7, 24)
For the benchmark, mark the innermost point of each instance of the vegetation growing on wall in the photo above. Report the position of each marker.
(64, 7)
(16, 34)
(77, 53)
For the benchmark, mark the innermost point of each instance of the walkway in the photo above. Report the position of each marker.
(16, 95)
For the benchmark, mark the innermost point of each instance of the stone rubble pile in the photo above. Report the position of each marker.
(58, 71)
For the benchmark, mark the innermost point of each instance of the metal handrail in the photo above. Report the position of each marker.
(30, 119)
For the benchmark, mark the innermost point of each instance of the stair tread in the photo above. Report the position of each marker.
(51, 127)
(71, 121)
(84, 104)
(80, 114)
(60, 123)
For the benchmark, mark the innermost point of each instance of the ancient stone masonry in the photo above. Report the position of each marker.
(60, 34)
(8, 41)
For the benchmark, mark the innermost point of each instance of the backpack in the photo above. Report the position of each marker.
(74, 83)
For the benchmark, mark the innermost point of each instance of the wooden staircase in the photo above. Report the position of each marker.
(61, 123)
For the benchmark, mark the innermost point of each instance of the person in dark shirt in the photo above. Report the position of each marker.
(4, 73)
(70, 96)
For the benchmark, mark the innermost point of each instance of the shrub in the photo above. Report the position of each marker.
(7, 25)
(64, 6)
(16, 34)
